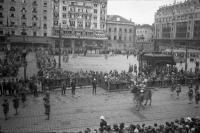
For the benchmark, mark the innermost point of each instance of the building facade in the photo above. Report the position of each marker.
(120, 32)
(178, 25)
(25, 21)
(81, 23)
(144, 36)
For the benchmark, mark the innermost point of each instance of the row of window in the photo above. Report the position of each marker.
(120, 30)
(181, 17)
(23, 33)
(119, 38)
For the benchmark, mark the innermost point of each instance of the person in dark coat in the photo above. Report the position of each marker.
(47, 106)
(63, 87)
(103, 124)
(94, 86)
(5, 108)
(16, 104)
(23, 97)
(1, 89)
(73, 85)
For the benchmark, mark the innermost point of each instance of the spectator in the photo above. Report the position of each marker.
(5, 108)
(16, 104)
(103, 124)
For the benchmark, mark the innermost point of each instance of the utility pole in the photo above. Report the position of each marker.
(60, 42)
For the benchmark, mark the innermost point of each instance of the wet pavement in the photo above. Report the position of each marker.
(75, 113)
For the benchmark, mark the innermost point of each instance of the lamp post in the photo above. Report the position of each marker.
(24, 54)
(60, 41)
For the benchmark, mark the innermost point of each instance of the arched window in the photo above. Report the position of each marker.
(115, 29)
(12, 9)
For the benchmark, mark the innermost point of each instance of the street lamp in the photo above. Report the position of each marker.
(60, 41)
(24, 54)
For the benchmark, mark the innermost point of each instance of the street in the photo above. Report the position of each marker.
(84, 109)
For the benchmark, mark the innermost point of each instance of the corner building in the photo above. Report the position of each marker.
(178, 25)
(25, 22)
(121, 33)
(82, 22)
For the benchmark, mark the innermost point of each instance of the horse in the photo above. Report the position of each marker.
(141, 97)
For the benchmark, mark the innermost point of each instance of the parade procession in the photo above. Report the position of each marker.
(99, 66)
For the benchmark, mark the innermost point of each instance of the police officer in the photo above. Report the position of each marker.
(73, 85)
(94, 86)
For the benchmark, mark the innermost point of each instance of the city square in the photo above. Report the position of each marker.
(99, 66)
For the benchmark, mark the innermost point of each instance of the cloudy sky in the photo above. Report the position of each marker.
(140, 11)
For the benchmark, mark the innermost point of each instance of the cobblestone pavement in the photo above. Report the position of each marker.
(84, 109)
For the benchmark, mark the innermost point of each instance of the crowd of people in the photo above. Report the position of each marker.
(182, 125)
(10, 63)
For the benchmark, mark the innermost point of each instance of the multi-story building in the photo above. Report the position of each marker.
(79, 22)
(83, 23)
(25, 21)
(178, 25)
(120, 32)
(144, 36)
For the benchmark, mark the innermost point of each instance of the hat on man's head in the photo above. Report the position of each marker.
(102, 118)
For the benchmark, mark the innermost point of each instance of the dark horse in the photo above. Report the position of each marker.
(141, 97)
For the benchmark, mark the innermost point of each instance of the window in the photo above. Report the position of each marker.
(72, 23)
(45, 26)
(1, 22)
(130, 39)
(125, 30)
(120, 30)
(55, 23)
(45, 34)
(120, 38)
(1, 32)
(95, 25)
(80, 24)
(23, 16)
(23, 10)
(1, 7)
(45, 17)
(109, 30)
(12, 9)
(95, 10)
(13, 32)
(12, 15)
(45, 4)
(64, 15)
(34, 10)
(1, 1)
(125, 38)
(34, 33)
(1, 15)
(64, 22)
(95, 17)
(45, 11)
(87, 24)
(95, 5)
(115, 37)
(115, 30)
(34, 3)
(64, 8)
(12, 23)
(34, 24)
(23, 24)
(130, 30)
